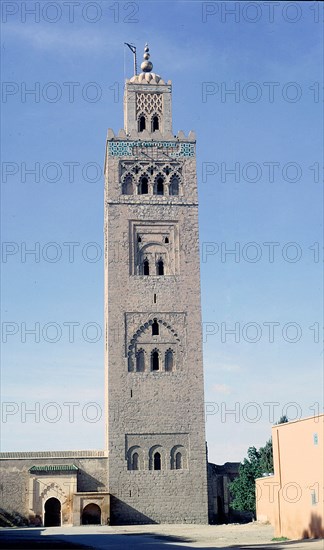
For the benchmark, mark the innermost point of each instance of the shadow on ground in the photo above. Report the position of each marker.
(32, 539)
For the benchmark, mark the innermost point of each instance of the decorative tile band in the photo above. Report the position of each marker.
(125, 148)
(186, 150)
(120, 149)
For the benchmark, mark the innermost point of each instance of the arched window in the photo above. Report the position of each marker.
(155, 123)
(155, 360)
(146, 267)
(174, 186)
(166, 240)
(168, 360)
(134, 458)
(139, 239)
(135, 461)
(155, 328)
(159, 187)
(141, 123)
(160, 268)
(130, 363)
(157, 461)
(128, 186)
(178, 461)
(140, 361)
(143, 186)
(178, 458)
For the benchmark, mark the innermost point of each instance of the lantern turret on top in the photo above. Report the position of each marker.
(147, 104)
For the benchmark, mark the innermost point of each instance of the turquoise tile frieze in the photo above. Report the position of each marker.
(125, 148)
(186, 150)
(120, 148)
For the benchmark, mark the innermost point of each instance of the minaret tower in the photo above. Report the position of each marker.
(154, 372)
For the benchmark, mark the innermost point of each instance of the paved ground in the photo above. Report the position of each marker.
(252, 536)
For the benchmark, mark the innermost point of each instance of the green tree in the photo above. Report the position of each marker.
(282, 420)
(266, 458)
(259, 462)
(243, 487)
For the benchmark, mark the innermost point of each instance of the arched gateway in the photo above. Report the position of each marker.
(52, 512)
(91, 515)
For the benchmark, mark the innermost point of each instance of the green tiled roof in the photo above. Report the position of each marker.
(54, 468)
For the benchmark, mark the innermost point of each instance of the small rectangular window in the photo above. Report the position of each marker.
(315, 438)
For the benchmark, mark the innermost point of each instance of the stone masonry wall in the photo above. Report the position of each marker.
(15, 477)
(153, 409)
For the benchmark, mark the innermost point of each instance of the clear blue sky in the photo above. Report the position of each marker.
(273, 124)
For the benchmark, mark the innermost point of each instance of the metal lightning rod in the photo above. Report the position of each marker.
(133, 49)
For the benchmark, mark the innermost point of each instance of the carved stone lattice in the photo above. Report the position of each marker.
(148, 103)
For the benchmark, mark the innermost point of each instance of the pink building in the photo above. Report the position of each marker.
(292, 499)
